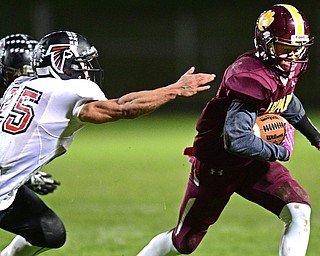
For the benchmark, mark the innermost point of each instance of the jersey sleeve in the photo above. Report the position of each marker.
(239, 139)
(248, 88)
(85, 91)
(89, 91)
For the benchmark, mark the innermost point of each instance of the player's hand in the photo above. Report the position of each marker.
(188, 151)
(190, 84)
(318, 146)
(42, 183)
(289, 139)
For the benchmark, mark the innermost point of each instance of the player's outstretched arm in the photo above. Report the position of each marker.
(136, 104)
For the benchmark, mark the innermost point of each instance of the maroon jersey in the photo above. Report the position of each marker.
(247, 80)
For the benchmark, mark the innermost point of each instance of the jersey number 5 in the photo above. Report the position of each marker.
(22, 112)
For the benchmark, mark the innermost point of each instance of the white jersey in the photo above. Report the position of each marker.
(38, 121)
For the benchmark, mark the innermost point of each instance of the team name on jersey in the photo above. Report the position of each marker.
(279, 106)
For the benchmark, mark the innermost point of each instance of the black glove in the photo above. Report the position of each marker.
(42, 183)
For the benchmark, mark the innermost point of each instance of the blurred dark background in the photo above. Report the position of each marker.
(144, 44)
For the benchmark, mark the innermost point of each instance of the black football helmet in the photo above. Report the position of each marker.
(66, 55)
(283, 25)
(15, 58)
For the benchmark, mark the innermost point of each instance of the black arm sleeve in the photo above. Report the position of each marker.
(295, 111)
(239, 140)
(308, 130)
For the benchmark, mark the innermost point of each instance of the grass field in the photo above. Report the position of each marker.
(122, 183)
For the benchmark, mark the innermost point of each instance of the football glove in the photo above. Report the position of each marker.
(289, 139)
(42, 183)
(188, 151)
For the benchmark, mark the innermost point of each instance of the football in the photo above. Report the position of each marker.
(270, 127)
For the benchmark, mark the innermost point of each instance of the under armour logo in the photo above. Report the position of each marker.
(213, 171)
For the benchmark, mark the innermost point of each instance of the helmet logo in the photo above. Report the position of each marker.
(59, 53)
(265, 20)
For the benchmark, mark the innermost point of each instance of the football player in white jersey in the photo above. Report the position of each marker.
(15, 61)
(39, 118)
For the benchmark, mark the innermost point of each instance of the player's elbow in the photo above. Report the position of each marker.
(234, 145)
(230, 147)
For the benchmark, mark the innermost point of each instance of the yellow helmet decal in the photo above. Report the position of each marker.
(265, 20)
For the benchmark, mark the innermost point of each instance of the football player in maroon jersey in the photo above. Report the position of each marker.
(229, 159)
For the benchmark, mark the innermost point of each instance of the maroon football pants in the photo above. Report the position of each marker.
(267, 184)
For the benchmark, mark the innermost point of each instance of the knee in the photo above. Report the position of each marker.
(188, 243)
(185, 247)
(296, 213)
(53, 230)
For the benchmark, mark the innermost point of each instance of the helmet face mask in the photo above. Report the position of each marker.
(15, 58)
(282, 33)
(82, 66)
(289, 52)
(66, 55)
